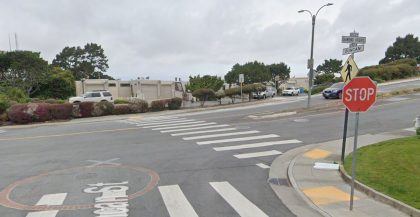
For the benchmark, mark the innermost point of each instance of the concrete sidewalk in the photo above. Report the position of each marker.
(324, 191)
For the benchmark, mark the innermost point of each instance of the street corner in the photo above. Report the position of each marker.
(317, 154)
(104, 186)
(327, 195)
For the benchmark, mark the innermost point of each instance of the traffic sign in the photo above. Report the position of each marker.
(310, 63)
(351, 39)
(359, 94)
(241, 78)
(355, 49)
(349, 70)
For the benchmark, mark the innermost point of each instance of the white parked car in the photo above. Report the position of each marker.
(94, 96)
(291, 91)
(271, 91)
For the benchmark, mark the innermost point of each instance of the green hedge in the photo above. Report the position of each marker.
(120, 101)
(399, 69)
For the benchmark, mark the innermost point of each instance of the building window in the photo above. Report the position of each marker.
(124, 85)
(112, 85)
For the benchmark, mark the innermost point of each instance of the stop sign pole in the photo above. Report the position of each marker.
(358, 96)
(353, 40)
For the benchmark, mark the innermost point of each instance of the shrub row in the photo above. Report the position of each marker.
(171, 104)
(158, 105)
(40, 112)
(395, 70)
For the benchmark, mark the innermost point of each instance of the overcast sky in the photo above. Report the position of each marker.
(165, 39)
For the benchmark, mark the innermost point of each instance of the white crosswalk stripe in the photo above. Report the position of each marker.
(257, 154)
(238, 139)
(194, 128)
(203, 131)
(175, 201)
(221, 135)
(174, 124)
(264, 166)
(236, 200)
(256, 145)
(192, 125)
(49, 199)
(164, 122)
(161, 118)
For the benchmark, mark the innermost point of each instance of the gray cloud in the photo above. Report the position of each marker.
(166, 39)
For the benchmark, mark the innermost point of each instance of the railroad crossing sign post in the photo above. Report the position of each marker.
(351, 68)
(358, 96)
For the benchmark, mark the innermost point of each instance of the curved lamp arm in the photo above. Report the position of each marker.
(329, 4)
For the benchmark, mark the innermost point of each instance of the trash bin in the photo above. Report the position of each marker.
(301, 90)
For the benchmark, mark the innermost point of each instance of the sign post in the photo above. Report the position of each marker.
(241, 81)
(358, 96)
(353, 40)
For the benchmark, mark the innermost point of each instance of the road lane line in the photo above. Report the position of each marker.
(203, 131)
(264, 166)
(238, 139)
(173, 124)
(257, 154)
(237, 201)
(256, 145)
(49, 199)
(175, 201)
(195, 128)
(186, 126)
(221, 135)
(69, 134)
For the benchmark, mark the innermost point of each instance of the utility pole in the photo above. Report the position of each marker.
(10, 44)
(16, 41)
(311, 60)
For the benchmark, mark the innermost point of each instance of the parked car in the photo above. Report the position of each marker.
(334, 92)
(260, 94)
(93, 96)
(271, 91)
(291, 91)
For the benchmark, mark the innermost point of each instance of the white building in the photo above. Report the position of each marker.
(143, 89)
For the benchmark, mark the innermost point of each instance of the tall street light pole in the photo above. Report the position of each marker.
(311, 60)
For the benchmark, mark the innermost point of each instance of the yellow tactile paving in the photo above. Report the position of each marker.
(326, 195)
(317, 154)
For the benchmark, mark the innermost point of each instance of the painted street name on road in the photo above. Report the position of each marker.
(114, 199)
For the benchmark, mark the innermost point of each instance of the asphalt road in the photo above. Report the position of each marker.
(161, 166)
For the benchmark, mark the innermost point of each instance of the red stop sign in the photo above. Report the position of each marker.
(359, 94)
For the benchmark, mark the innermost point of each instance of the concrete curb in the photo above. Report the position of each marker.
(399, 81)
(295, 186)
(409, 210)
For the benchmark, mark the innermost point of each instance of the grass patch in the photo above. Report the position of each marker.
(391, 167)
